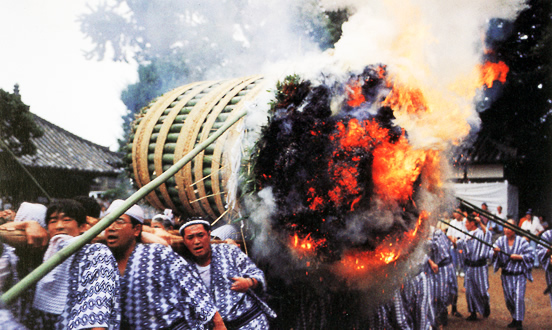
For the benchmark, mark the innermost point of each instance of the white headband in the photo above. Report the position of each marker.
(191, 223)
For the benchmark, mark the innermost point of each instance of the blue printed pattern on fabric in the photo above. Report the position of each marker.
(161, 289)
(514, 285)
(476, 280)
(229, 261)
(444, 284)
(545, 259)
(93, 299)
(416, 295)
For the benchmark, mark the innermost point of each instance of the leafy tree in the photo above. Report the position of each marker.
(154, 79)
(207, 31)
(17, 126)
(177, 41)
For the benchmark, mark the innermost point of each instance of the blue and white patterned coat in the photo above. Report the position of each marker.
(476, 280)
(389, 315)
(545, 260)
(417, 298)
(228, 261)
(9, 276)
(160, 289)
(444, 284)
(93, 292)
(515, 273)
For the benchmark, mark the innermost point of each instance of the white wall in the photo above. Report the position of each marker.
(492, 193)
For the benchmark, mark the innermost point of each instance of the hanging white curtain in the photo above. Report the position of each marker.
(492, 193)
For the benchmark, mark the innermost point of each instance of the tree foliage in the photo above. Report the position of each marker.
(207, 31)
(17, 126)
(176, 42)
(154, 79)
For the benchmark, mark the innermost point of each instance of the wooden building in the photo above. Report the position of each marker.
(64, 165)
(485, 172)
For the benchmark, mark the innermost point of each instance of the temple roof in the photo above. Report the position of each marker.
(60, 149)
(485, 150)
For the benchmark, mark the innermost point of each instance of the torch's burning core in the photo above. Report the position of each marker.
(345, 181)
(345, 178)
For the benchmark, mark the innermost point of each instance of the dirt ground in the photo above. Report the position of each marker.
(538, 313)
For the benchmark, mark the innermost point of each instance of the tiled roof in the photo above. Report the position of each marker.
(485, 150)
(60, 149)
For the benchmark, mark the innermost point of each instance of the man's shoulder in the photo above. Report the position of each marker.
(224, 247)
(159, 254)
(153, 248)
(522, 241)
(501, 240)
(547, 235)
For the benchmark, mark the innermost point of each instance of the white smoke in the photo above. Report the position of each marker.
(432, 45)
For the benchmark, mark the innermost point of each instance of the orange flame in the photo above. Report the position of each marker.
(493, 71)
(412, 100)
(358, 263)
(354, 94)
(395, 168)
(306, 244)
(423, 215)
(389, 257)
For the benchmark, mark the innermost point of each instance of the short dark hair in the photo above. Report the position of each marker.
(91, 206)
(471, 219)
(70, 207)
(135, 222)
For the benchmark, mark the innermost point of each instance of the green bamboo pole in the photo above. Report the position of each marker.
(63, 254)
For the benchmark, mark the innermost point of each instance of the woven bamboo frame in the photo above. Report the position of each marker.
(191, 112)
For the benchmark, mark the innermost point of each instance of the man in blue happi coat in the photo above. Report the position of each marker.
(516, 270)
(545, 257)
(442, 276)
(474, 255)
(83, 291)
(416, 295)
(159, 288)
(232, 279)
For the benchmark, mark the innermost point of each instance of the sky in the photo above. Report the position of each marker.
(43, 52)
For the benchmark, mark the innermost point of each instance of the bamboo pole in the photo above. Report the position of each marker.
(470, 235)
(63, 254)
(506, 224)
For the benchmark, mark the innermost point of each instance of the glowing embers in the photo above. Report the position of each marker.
(491, 72)
(354, 94)
(358, 262)
(306, 245)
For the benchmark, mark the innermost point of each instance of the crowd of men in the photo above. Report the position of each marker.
(466, 244)
(129, 277)
(164, 274)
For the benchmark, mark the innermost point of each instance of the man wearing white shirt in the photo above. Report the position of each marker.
(457, 221)
(532, 225)
(495, 227)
